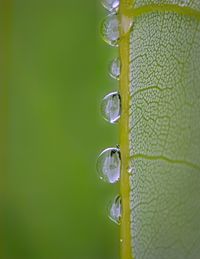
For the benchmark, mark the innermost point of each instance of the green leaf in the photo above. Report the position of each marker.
(163, 131)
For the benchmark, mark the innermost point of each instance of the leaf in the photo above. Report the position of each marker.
(160, 130)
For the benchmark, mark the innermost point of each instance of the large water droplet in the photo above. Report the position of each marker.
(108, 165)
(115, 210)
(110, 29)
(110, 5)
(111, 107)
(115, 68)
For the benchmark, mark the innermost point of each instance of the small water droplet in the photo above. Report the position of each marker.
(108, 165)
(126, 24)
(121, 240)
(110, 29)
(111, 107)
(129, 170)
(115, 210)
(114, 68)
(110, 5)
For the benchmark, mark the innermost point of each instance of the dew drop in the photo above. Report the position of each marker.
(108, 165)
(110, 29)
(114, 68)
(130, 170)
(126, 24)
(110, 5)
(115, 210)
(111, 107)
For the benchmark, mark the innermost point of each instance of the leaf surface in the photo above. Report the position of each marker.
(164, 130)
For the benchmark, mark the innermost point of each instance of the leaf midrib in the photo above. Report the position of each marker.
(182, 10)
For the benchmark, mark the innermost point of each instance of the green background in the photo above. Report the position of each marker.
(54, 205)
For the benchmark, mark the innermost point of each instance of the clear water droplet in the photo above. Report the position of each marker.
(110, 29)
(108, 165)
(126, 24)
(115, 68)
(111, 107)
(110, 5)
(129, 170)
(115, 210)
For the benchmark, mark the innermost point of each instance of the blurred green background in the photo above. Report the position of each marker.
(55, 74)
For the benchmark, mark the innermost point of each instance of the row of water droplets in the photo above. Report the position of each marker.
(109, 161)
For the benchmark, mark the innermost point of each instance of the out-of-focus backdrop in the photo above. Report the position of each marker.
(54, 74)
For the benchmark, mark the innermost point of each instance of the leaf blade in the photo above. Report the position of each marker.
(163, 121)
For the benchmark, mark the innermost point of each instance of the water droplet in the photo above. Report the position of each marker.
(126, 24)
(130, 170)
(110, 29)
(111, 107)
(110, 5)
(108, 165)
(114, 68)
(115, 210)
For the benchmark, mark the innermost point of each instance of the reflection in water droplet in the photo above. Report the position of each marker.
(111, 107)
(110, 5)
(108, 165)
(115, 210)
(114, 69)
(110, 30)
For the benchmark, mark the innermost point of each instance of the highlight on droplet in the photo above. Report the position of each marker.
(115, 68)
(109, 165)
(110, 5)
(115, 210)
(111, 107)
(110, 29)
